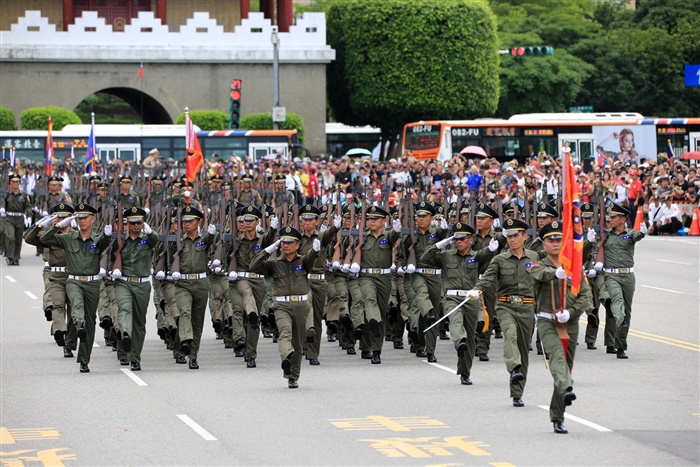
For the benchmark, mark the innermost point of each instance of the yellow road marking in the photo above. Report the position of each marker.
(10, 436)
(377, 422)
(655, 337)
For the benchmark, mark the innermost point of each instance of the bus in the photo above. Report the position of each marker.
(341, 138)
(622, 136)
(133, 142)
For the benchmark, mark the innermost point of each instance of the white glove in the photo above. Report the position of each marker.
(401, 271)
(323, 228)
(496, 223)
(116, 274)
(101, 274)
(211, 229)
(473, 294)
(217, 270)
(337, 222)
(590, 235)
(443, 224)
(334, 198)
(272, 248)
(187, 194)
(560, 273)
(410, 269)
(493, 245)
(46, 220)
(643, 227)
(598, 266)
(393, 268)
(148, 211)
(44, 213)
(215, 263)
(443, 243)
(160, 275)
(74, 224)
(336, 265)
(151, 273)
(562, 316)
(355, 268)
(147, 228)
(258, 228)
(232, 276)
(274, 222)
(316, 245)
(108, 230)
(67, 221)
(27, 222)
(345, 268)
(434, 223)
(2, 212)
(396, 225)
(592, 273)
(176, 275)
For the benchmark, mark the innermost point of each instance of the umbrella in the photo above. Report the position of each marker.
(358, 152)
(474, 150)
(694, 155)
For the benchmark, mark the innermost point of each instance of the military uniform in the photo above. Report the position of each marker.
(249, 197)
(16, 209)
(130, 198)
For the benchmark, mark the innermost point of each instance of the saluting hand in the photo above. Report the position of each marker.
(274, 222)
(443, 243)
(396, 225)
(272, 248)
(108, 229)
(211, 229)
(493, 245)
(590, 235)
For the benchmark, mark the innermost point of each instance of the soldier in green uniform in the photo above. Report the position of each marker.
(56, 194)
(55, 276)
(515, 306)
(83, 249)
(192, 284)
(398, 303)
(132, 287)
(618, 270)
(291, 291)
(248, 196)
(554, 314)
(485, 220)
(17, 209)
(460, 271)
(341, 289)
(546, 213)
(128, 197)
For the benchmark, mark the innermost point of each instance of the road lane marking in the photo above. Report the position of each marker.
(437, 365)
(574, 418)
(30, 295)
(9, 278)
(673, 262)
(661, 339)
(135, 378)
(198, 429)
(659, 288)
(378, 422)
(95, 344)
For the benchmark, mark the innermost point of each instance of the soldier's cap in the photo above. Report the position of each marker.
(249, 213)
(484, 210)
(134, 214)
(55, 179)
(15, 178)
(394, 210)
(175, 183)
(153, 151)
(346, 210)
(509, 207)
(324, 208)
(440, 211)
(552, 231)
(102, 186)
(62, 210)
(616, 210)
(158, 179)
(309, 211)
(84, 210)
(461, 230)
(546, 210)
(125, 178)
(95, 179)
(513, 226)
(376, 212)
(247, 178)
(269, 210)
(290, 234)
(190, 213)
(217, 178)
(280, 177)
(587, 210)
(31, 166)
(424, 209)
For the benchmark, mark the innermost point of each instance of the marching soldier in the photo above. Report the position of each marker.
(83, 250)
(552, 315)
(291, 292)
(248, 196)
(128, 197)
(546, 213)
(17, 209)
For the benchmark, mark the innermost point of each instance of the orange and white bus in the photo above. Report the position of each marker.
(620, 135)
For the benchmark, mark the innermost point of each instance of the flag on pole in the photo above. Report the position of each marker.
(194, 152)
(571, 255)
(141, 70)
(48, 158)
(600, 157)
(12, 157)
(670, 153)
(91, 154)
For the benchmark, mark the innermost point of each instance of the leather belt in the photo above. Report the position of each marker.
(15, 214)
(542, 314)
(250, 275)
(316, 277)
(515, 299)
(192, 277)
(618, 270)
(84, 278)
(375, 271)
(456, 293)
(429, 272)
(292, 298)
(135, 280)
(58, 269)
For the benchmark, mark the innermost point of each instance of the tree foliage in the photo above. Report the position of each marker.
(37, 118)
(207, 120)
(7, 119)
(263, 121)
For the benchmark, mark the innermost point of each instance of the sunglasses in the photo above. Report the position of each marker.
(461, 239)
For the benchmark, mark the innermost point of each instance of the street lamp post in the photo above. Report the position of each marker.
(275, 76)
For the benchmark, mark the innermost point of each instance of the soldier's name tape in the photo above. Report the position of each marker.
(375, 271)
(516, 299)
(292, 298)
(618, 270)
(429, 272)
(136, 280)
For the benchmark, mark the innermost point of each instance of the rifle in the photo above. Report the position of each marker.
(410, 208)
(108, 214)
(295, 213)
(120, 238)
(338, 212)
(162, 261)
(357, 257)
(600, 255)
(218, 250)
(175, 266)
(232, 260)
(348, 250)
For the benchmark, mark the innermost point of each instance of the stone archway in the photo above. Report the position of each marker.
(150, 110)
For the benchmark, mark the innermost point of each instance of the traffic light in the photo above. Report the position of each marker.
(234, 120)
(531, 51)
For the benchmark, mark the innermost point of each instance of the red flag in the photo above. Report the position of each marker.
(141, 71)
(48, 159)
(571, 255)
(194, 151)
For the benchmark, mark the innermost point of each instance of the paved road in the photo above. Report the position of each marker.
(642, 411)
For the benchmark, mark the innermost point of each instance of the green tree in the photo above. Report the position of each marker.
(263, 121)
(7, 119)
(37, 118)
(207, 120)
(404, 60)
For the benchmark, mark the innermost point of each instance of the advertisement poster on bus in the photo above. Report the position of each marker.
(626, 142)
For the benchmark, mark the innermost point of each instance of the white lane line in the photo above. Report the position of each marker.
(30, 295)
(659, 288)
(135, 378)
(580, 420)
(673, 262)
(198, 429)
(95, 344)
(9, 278)
(437, 365)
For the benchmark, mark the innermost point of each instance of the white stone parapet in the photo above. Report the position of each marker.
(201, 40)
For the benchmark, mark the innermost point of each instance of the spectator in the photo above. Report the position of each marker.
(667, 219)
(474, 180)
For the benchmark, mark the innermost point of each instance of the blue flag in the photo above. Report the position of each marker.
(91, 154)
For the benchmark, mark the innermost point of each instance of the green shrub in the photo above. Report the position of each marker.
(37, 118)
(207, 120)
(7, 119)
(263, 121)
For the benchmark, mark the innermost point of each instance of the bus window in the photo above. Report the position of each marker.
(421, 137)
